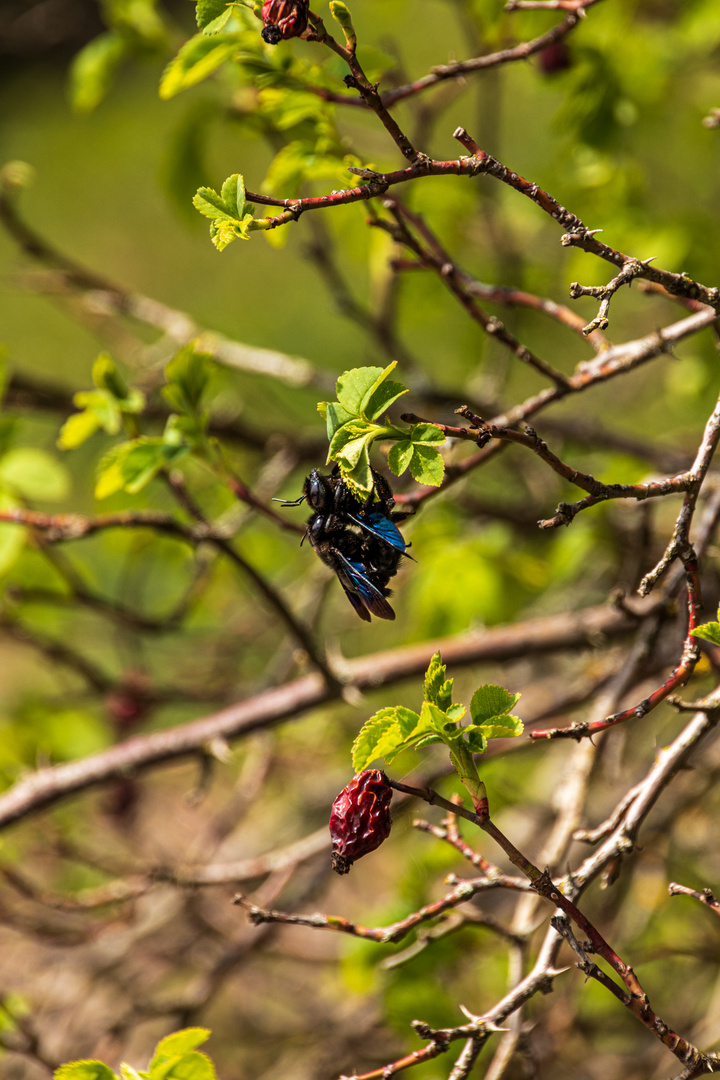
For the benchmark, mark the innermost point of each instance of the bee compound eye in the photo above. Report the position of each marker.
(316, 527)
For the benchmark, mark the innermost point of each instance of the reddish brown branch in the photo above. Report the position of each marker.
(46, 786)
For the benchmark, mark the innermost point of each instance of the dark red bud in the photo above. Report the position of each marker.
(360, 818)
(284, 19)
(554, 58)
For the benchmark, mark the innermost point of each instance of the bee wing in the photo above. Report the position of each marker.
(356, 602)
(383, 528)
(360, 590)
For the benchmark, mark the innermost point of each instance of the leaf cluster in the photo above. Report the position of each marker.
(357, 418)
(394, 729)
(131, 465)
(175, 1058)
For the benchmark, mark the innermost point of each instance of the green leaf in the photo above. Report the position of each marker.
(457, 711)
(93, 68)
(104, 406)
(132, 465)
(335, 416)
(228, 222)
(356, 385)
(427, 434)
(84, 1070)
(399, 456)
(197, 59)
(128, 1073)
(180, 1042)
(433, 721)
(191, 1066)
(427, 465)
(476, 740)
(383, 736)
(360, 478)
(233, 196)
(207, 11)
(34, 474)
(348, 442)
(436, 688)
(374, 391)
(709, 631)
(382, 398)
(489, 702)
(502, 727)
(188, 375)
(106, 376)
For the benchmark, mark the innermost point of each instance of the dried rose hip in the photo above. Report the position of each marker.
(360, 818)
(284, 19)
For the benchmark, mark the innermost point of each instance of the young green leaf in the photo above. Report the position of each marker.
(78, 428)
(188, 375)
(427, 465)
(427, 434)
(93, 69)
(33, 474)
(489, 702)
(355, 386)
(127, 1072)
(84, 1070)
(382, 398)
(436, 688)
(132, 465)
(457, 711)
(180, 1042)
(383, 736)
(106, 376)
(709, 631)
(374, 391)
(197, 59)
(207, 11)
(475, 739)
(191, 1066)
(501, 727)
(334, 415)
(228, 221)
(399, 456)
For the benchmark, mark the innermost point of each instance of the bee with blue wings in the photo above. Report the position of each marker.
(359, 541)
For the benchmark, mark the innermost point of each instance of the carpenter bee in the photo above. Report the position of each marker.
(359, 541)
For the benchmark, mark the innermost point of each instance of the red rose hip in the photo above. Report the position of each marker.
(284, 19)
(360, 818)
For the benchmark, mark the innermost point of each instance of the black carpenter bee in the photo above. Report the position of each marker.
(359, 541)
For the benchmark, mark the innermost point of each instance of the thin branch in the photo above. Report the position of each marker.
(459, 68)
(705, 897)
(46, 786)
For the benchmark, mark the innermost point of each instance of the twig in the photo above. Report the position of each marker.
(46, 786)
(632, 269)
(705, 897)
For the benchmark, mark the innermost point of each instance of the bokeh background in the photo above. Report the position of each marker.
(611, 124)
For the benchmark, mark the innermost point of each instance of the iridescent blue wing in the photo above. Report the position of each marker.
(360, 590)
(383, 528)
(355, 601)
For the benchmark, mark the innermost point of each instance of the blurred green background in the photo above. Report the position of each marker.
(612, 127)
